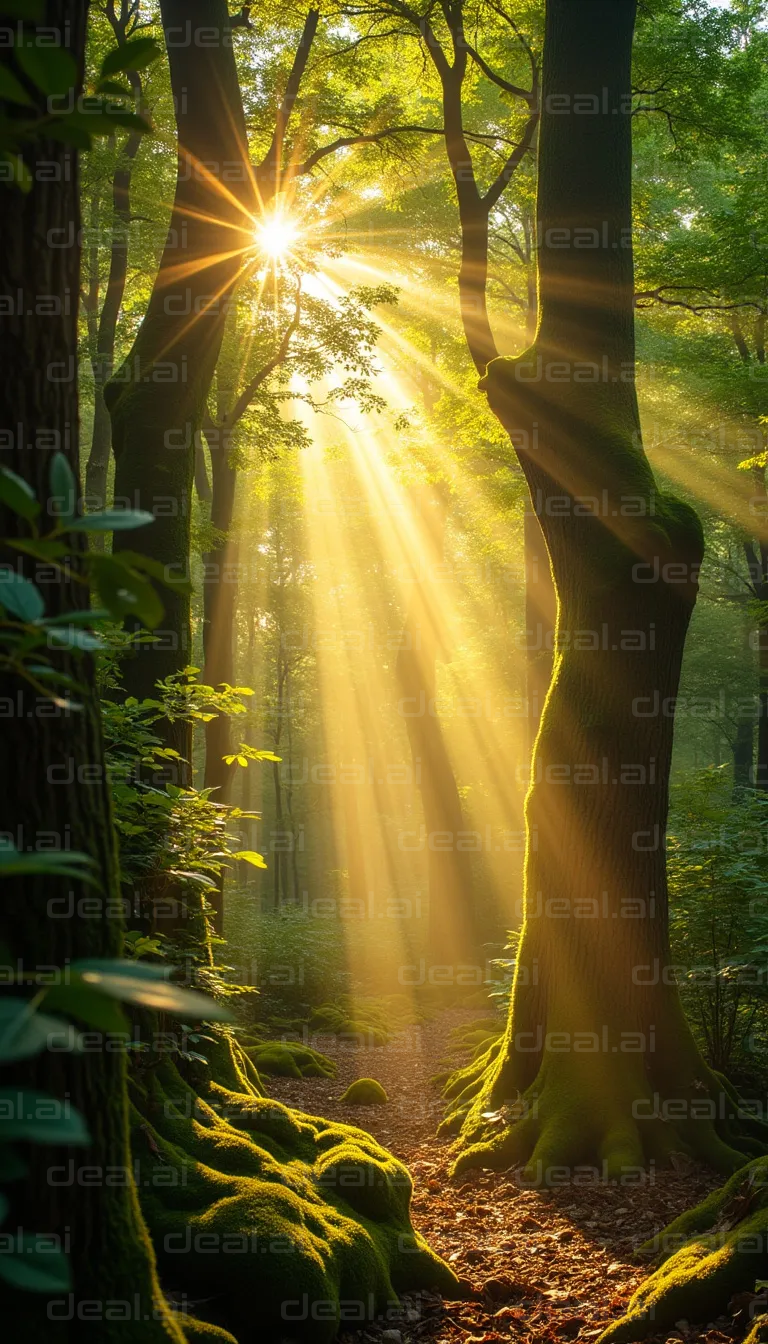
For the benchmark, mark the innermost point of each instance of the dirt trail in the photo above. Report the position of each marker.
(545, 1265)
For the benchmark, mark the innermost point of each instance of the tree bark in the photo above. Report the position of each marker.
(103, 360)
(55, 788)
(595, 1031)
(156, 399)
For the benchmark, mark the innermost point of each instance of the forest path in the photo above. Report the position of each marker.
(547, 1266)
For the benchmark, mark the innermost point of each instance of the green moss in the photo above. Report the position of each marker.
(290, 1059)
(711, 1252)
(365, 1092)
(759, 1332)
(288, 1223)
(202, 1332)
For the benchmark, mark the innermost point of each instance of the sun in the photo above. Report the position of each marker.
(276, 236)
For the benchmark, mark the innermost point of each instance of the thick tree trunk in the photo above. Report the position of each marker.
(157, 398)
(595, 1031)
(54, 788)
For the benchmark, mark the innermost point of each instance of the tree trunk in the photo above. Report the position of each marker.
(219, 602)
(540, 620)
(56, 787)
(97, 467)
(595, 1031)
(157, 398)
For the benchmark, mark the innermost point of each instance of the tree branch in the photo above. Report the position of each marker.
(268, 171)
(496, 188)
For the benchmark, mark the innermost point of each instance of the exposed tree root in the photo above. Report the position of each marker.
(710, 1253)
(288, 1223)
(595, 1108)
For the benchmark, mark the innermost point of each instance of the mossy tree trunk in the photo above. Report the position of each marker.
(595, 1031)
(53, 791)
(156, 399)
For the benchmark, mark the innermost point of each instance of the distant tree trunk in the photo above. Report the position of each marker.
(219, 602)
(156, 399)
(595, 1031)
(744, 753)
(452, 931)
(54, 785)
(103, 358)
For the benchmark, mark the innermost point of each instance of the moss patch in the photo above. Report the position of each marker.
(365, 1092)
(286, 1223)
(289, 1059)
(711, 1252)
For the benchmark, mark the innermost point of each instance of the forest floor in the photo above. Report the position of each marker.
(546, 1266)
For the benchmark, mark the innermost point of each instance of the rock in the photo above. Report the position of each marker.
(365, 1092)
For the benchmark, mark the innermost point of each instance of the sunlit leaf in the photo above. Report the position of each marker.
(251, 856)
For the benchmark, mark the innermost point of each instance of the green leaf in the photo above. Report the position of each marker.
(19, 170)
(38, 1117)
(36, 1265)
(251, 856)
(41, 549)
(131, 984)
(52, 69)
(69, 637)
(18, 494)
(103, 116)
(124, 591)
(134, 55)
(63, 486)
(20, 597)
(112, 86)
(111, 520)
(157, 570)
(87, 1004)
(11, 89)
(55, 863)
(24, 1033)
(69, 132)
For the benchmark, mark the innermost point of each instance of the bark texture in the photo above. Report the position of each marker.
(53, 793)
(596, 1029)
(156, 399)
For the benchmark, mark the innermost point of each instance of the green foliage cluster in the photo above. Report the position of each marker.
(718, 875)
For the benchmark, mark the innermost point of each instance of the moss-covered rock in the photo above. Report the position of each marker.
(290, 1059)
(710, 1253)
(285, 1223)
(365, 1092)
